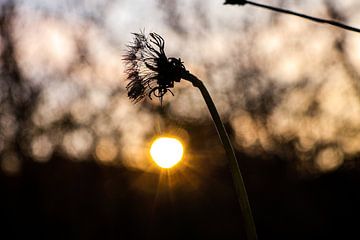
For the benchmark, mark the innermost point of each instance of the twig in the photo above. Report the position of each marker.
(315, 19)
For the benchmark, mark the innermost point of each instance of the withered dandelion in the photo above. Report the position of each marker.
(151, 73)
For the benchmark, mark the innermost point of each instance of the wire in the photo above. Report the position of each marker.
(315, 19)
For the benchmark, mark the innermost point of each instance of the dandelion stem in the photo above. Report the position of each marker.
(233, 164)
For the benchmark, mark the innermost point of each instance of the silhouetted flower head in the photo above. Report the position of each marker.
(150, 71)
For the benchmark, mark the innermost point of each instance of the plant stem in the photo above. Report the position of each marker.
(234, 167)
(281, 10)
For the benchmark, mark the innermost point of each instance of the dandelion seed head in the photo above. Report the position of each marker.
(149, 71)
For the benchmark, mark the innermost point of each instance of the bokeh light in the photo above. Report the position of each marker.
(10, 164)
(41, 148)
(106, 150)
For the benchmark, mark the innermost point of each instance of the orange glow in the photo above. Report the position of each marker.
(78, 143)
(41, 148)
(106, 150)
(166, 151)
(10, 164)
(329, 159)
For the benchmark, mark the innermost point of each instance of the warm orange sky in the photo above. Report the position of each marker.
(245, 56)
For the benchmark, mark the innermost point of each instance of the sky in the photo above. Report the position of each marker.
(275, 79)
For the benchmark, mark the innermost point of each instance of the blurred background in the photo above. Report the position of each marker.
(74, 159)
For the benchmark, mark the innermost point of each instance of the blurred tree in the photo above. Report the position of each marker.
(18, 97)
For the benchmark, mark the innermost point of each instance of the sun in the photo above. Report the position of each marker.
(166, 151)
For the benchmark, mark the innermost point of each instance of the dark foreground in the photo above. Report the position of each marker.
(68, 200)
